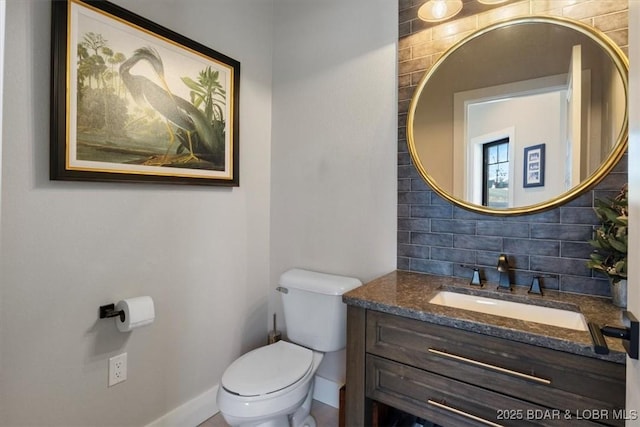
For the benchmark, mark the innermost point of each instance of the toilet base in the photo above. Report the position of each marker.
(300, 418)
(283, 421)
(288, 408)
(309, 422)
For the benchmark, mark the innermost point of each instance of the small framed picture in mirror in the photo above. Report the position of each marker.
(534, 166)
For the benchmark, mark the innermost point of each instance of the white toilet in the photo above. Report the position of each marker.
(272, 386)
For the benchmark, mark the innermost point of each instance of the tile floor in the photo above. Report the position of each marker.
(325, 415)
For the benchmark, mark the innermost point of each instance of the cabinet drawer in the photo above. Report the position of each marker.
(453, 403)
(546, 377)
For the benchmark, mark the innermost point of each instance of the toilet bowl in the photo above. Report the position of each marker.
(272, 386)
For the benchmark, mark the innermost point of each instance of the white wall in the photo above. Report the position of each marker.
(633, 366)
(333, 186)
(323, 197)
(3, 5)
(548, 128)
(201, 253)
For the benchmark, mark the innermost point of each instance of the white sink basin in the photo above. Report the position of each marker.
(514, 310)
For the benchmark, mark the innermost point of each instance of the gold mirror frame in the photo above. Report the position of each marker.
(622, 65)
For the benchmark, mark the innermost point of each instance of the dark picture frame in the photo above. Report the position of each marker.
(132, 101)
(533, 171)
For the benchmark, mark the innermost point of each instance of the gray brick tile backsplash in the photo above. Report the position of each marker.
(571, 232)
(572, 266)
(404, 159)
(410, 224)
(431, 211)
(418, 184)
(490, 260)
(453, 226)
(460, 213)
(500, 228)
(584, 200)
(547, 282)
(585, 285)
(605, 195)
(413, 251)
(432, 239)
(547, 217)
(465, 241)
(453, 255)
(436, 237)
(404, 264)
(437, 200)
(613, 181)
(487, 258)
(571, 215)
(622, 165)
(439, 268)
(575, 250)
(415, 197)
(532, 247)
(406, 171)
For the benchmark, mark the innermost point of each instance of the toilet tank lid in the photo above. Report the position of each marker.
(321, 283)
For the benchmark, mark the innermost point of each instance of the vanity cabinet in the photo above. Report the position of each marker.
(455, 377)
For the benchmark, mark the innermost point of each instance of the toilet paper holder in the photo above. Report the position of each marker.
(109, 310)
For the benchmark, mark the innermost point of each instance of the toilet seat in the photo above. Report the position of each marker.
(267, 369)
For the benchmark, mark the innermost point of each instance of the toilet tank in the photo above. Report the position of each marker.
(314, 313)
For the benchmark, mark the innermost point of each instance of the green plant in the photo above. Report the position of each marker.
(610, 240)
(208, 91)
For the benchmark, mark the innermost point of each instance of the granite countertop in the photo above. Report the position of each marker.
(407, 294)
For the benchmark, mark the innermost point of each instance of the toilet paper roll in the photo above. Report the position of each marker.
(138, 312)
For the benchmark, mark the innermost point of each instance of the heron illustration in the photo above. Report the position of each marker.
(201, 139)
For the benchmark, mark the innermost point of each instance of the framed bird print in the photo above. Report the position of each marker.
(133, 101)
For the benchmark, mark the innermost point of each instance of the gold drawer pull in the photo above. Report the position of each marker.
(488, 366)
(462, 413)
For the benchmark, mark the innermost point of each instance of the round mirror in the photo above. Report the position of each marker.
(521, 116)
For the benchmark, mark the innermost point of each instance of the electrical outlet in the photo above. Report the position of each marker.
(117, 369)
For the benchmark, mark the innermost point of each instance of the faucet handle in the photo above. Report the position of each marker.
(535, 286)
(475, 277)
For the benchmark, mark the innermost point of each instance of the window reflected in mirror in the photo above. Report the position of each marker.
(495, 174)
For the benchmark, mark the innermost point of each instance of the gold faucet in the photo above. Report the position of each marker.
(503, 267)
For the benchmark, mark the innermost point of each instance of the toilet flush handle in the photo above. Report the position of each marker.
(283, 290)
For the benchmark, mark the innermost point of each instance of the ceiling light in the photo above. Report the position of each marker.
(439, 10)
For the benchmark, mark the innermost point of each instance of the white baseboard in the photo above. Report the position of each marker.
(204, 406)
(191, 413)
(327, 391)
